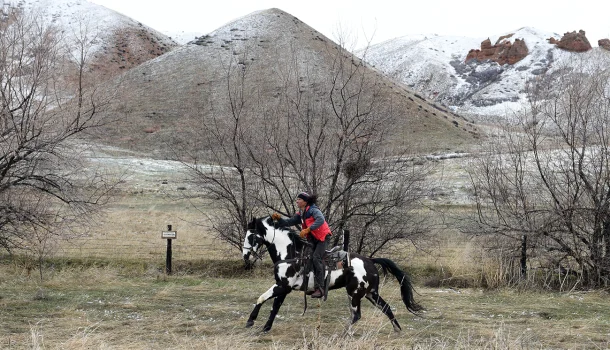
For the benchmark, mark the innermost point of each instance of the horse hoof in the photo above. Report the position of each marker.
(249, 324)
(266, 329)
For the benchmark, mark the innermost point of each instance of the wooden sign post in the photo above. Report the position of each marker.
(169, 235)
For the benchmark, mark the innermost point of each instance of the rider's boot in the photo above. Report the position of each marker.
(319, 292)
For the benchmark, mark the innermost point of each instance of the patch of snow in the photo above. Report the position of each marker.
(74, 16)
(182, 37)
(69, 14)
(248, 23)
(435, 67)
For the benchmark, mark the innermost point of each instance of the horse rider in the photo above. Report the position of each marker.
(315, 229)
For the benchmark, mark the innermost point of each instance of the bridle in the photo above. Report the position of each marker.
(256, 255)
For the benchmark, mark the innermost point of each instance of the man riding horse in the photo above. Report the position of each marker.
(360, 279)
(315, 229)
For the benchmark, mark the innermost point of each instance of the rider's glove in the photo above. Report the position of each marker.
(276, 216)
(304, 232)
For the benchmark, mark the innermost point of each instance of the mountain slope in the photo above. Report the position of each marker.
(435, 66)
(117, 41)
(160, 100)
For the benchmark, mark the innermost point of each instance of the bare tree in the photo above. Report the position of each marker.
(225, 130)
(333, 142)
(44, 185)
(324, 133)
(549, 176)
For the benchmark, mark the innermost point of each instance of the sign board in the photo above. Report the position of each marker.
(168, 234)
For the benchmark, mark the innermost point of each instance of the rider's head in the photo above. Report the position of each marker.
(304, 199)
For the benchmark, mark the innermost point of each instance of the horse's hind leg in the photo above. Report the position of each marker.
(355, 307)
(378, 301)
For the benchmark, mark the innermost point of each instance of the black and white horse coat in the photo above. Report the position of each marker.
(360, 279)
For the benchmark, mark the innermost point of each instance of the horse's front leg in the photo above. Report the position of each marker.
(261, 300)
(276, 291)
(277, 303)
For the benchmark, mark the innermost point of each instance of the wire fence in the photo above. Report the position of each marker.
(148, 250)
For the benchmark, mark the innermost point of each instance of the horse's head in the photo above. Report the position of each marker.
(282, 243)
(252, 244)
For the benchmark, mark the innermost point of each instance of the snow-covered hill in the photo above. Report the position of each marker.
(435, 66)
(162, 101)
(69, 13)
(117, 41)
(182, 37)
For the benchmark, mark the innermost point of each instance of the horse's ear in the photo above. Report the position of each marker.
(252, 223)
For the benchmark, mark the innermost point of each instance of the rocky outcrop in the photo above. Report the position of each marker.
(574, 42)
(604, 43)
(128, 47)
(503, 52)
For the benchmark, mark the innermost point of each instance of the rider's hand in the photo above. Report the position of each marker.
(304, 232)
(276, 216)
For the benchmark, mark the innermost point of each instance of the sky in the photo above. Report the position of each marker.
(374, 21)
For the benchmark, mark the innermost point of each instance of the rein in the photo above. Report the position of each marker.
(274, 225)
(257, 255)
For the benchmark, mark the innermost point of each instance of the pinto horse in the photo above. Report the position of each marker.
(360, 278)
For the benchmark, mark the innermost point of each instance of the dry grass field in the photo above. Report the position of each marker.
(130, 305)
(108, 290)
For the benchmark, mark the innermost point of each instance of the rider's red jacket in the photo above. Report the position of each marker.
(311, 217)
(321, 231)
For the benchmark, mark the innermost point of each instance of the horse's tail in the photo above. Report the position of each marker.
(406, 288)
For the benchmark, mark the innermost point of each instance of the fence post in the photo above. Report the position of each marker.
(168, 255)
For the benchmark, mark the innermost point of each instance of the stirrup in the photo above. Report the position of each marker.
(333, 249)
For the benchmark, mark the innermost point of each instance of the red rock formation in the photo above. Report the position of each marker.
(502, 52)
(604, 43)
(504, 37)
(575, 42)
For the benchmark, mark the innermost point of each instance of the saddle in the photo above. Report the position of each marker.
(333, 259)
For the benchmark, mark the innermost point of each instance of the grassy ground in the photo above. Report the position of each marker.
(127, 306)
(107, 290)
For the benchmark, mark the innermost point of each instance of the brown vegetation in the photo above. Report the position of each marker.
(126, 48)
(45, 186)
(123, 303)
(548, 178)
(106, 287)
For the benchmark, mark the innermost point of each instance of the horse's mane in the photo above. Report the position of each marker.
(259, 225)
(294, 237)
